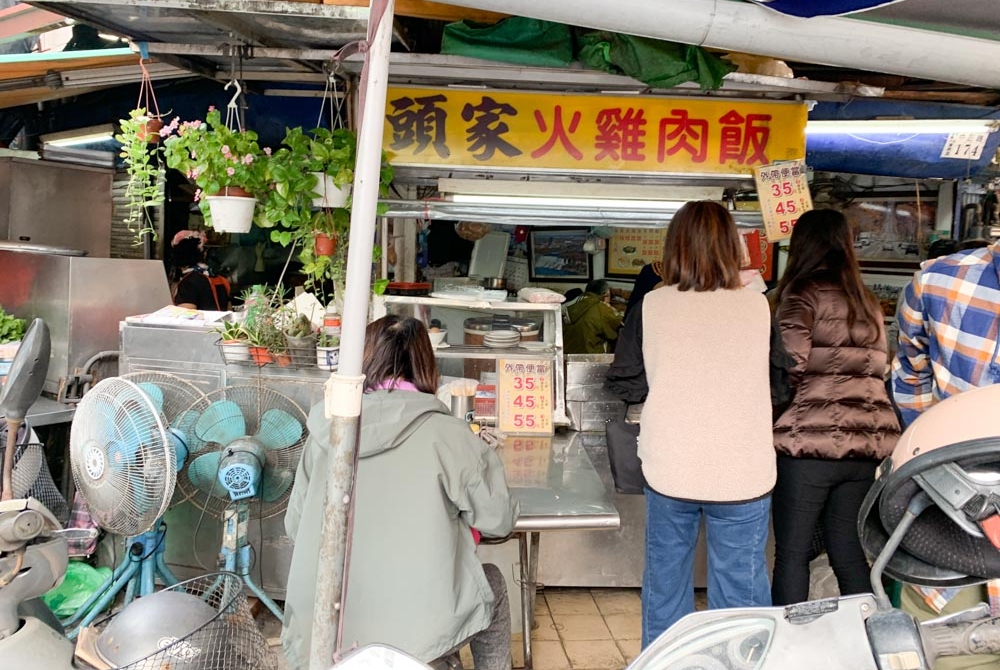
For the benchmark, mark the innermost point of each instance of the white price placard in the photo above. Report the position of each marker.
(783, 193)
(965, 145)
(524, 396)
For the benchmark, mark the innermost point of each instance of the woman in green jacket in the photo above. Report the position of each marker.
(424, 481)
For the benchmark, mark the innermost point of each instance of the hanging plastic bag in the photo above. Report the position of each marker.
(81, 581)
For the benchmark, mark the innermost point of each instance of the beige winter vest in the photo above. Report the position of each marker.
(706, 424)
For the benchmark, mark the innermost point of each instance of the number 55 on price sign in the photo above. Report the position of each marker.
(524, 396)
(783, 193)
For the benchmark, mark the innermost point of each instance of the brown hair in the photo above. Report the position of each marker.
(398, 348)
(702, 251)
(822, 241)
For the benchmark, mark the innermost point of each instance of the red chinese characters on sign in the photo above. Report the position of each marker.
(615, 134)
(783, 192)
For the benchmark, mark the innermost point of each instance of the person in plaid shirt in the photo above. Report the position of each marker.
(948, 343)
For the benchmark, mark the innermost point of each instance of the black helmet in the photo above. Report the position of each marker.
(949, 458)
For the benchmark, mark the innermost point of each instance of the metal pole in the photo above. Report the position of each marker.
(344, 389)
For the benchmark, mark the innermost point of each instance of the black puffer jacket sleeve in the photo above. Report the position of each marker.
(626, 377)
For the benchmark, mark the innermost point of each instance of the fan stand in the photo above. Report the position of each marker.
(235, 554)
(136, 573)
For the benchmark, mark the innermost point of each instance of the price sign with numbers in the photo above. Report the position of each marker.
(526, 460)
(524, 396)
(965, 145)
(783, 192)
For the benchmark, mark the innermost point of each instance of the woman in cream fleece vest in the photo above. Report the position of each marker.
(705, 443)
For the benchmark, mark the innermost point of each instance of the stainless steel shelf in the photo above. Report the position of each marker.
(459, 351)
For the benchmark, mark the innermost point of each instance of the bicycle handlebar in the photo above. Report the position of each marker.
(962, 638)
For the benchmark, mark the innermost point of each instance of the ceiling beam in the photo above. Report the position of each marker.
(435, 11)
(21, 20)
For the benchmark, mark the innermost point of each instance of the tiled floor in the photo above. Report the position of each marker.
(581, 629)
(577, 629)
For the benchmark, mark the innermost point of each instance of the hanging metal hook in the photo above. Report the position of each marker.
(236, 95)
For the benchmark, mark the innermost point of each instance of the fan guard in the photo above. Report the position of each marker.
(254, 402)
(122, 458)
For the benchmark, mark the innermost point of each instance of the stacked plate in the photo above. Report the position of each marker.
(501, 339)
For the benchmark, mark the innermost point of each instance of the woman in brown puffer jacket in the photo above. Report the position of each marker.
(840, 423)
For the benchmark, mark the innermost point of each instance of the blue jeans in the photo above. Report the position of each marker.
(737, 569)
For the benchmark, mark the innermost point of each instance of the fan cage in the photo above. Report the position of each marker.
(178, 394)
(122, 460)
(231, 640)
(253, 401)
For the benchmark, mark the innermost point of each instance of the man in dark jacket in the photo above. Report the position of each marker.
(592, 322)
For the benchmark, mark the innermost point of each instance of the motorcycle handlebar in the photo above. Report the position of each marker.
(962, 638)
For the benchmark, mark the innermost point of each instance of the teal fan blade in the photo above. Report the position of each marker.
(184, 426)
(204, 474)
(154, 393)
(222, 423)
(278, 429)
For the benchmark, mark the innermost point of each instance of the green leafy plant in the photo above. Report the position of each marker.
(11, 327)
(262, 322)
(300, 326)
(288, 206)
(231, 331)
(215, 157)
(327, 340)
(141, 157)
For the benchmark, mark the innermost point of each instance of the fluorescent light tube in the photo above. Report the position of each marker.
(585, 203)
(89, 135)
(902, 126)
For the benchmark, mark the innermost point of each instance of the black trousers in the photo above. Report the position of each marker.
(813, 491)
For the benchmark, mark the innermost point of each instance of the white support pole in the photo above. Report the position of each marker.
(344, 390)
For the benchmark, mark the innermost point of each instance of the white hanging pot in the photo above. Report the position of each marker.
(327, 358)
(231, 213)
(329, 195)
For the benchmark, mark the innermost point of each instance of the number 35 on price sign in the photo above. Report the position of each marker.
(524, 396)
(783, 193)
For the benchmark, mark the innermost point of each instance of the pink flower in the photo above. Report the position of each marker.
(230, 171)
(267, 151)
(247, 159)
(197, 195)
(211, 108)
(225, 149)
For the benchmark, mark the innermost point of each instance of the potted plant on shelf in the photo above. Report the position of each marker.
(233, 342)
(261, 323)
(328, 351)
(300, 338)
(228, 166)
(139, 136)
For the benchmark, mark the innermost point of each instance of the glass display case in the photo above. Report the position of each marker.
(468, 351)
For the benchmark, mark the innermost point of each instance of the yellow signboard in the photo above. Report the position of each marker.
(629, 249)
(524, 396)
(783, 192)
(504, 129)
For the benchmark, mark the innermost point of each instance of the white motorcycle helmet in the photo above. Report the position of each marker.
(948, 460)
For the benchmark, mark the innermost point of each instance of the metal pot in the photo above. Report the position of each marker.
(498, 283)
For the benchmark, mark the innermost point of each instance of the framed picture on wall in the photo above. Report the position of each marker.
(629, 249)
(892, 232)
(556, 254)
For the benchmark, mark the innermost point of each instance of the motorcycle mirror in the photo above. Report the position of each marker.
(27, 372)
(24, 385)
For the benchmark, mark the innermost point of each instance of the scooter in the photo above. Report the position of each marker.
(33, 544)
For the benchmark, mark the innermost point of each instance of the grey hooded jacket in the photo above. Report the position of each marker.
(423, 481)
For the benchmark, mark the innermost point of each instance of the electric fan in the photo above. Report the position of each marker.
(244, 448)
(124, 460)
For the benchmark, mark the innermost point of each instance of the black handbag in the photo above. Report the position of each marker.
(622, 440)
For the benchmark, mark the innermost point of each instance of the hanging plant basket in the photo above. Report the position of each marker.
(150, 133)
(329, 195)
(323, 244)
(232, 210)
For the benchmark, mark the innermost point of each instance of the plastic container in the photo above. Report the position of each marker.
(331, 323)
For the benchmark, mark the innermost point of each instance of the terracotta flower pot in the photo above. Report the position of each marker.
(151, 131)
(324, 244)
(283, 360)
(261, 355)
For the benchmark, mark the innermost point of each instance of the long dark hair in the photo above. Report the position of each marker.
(398, 348)
(702, 251)
(822, 242)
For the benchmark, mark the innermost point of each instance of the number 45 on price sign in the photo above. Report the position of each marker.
(524, 396)
(783, 193)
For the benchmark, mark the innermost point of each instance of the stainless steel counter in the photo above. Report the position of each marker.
(46, 412)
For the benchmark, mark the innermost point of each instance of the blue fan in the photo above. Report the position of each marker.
(125, 459)
(244, 445)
